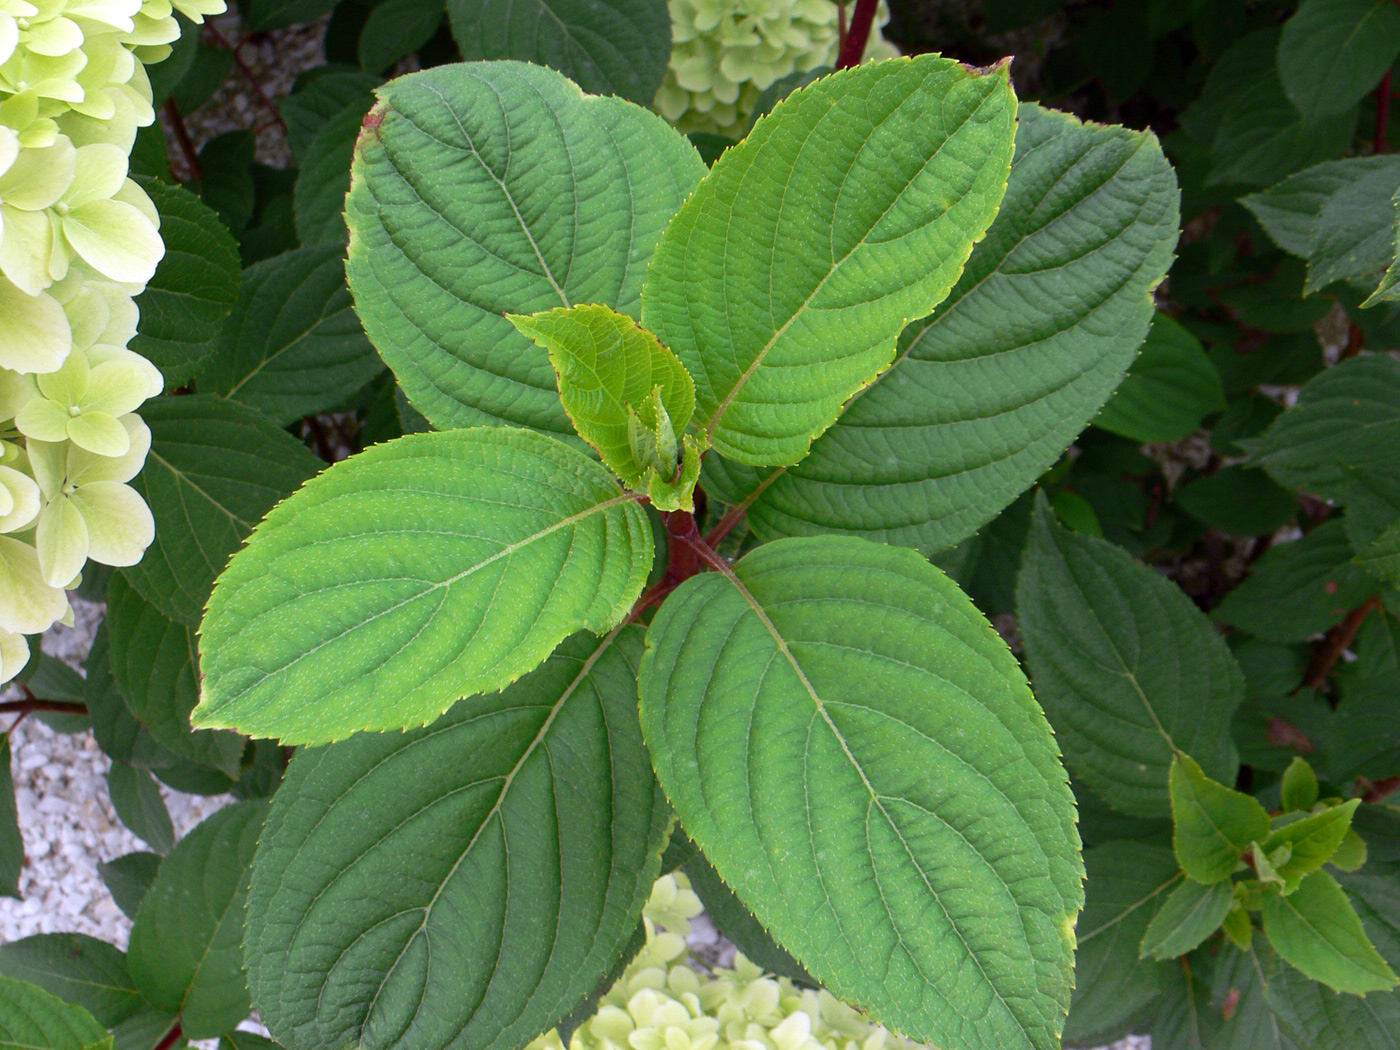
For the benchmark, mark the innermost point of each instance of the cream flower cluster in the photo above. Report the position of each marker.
(726, 53)
(667, 1000)
(78, 239)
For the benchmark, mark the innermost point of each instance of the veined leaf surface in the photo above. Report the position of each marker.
(31, 1017)
(465, 884)
(992, 387)
(859, 757)
(848, 211)
(497, 187)
(421, 570)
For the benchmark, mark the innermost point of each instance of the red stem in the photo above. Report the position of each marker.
(171, 1037)
(182, 135)
(246, 70)
(1330, 649)
(682, 562)
(1382, 112)
(853, 47)
(840, 25)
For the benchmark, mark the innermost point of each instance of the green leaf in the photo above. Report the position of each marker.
(1346, 424)
(193, 288)
(323, 178)
(737, 923)
(1126, 667)
(146, 1031)
(957, 429)
(522, 194)
(1316, 930)
(614, 377)
(128, 879)
(423, 569)
(614, 47)
(1381, 557)
(397, 28)
(1365, 740)
(859, 757)
(466, 884)
(1185, 1018)
(227, 185)
(78, 969)
(776, 292)
(1168, 390)
(155, 662)
(1214, 824)
(137, 799)
(32, 1019)
(261, 15)
(1187, 917)
(1238, 500)
(11, 841)
(1355, 237)
(293, 346)
(1332, 52)
(1290, 210)
(1388, 291)
(241, 1040)
(1126, 882)
(214, 469)
(1310, 843)
(319, 94)
(1299, 785)
(1299, 589)
(1314, 1018)
(186, 945)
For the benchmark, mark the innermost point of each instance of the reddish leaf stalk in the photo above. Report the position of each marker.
(1382, 112)
(853, 46)
(182, 136)
(171, 1037)
(246, 70)
(1330, 649)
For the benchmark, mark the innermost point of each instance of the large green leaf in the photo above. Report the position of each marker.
(32, 1019)
(186, 945)
(466, 884)
(1290, 210)
(612, 47)
(323, 179)
(737, 923)
(397, 28)
(214, 469)
(319, 94)
(784, 296)
(78, 969)
(293, 345)
(1126, 667)
(1312, 1017)
(1316, 930)
(193, 287)
(154, 660)
(859, 757)
(1332, 52)
(1355, 239)
(990, 390)
(139, 805)
(1168, 390)
(499, 187)
(421, 570)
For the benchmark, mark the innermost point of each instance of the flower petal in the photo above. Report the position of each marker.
(62, 539)
(28, 605)
(99, 432)
(85, 468)
(43, 420)
(14, 654)
(34, 332)
(21, 493)
(27, 250)
(49, 461)
(115, 239)
(39, 177)
(99, 172)
(119, 523)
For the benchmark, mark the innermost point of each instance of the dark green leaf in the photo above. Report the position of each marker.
(261, 15)
(1168, 390)
(320, 94)
(396, 28)
(1185, 1018)
(208, 70)
(1290, 210)
(128, 879)
(1355, 239)
(137, 799)
(1365, 738)
(1239, 500)
(1332, 52)
(1299, 789)
(32, 1019)
(147, 1030)
(11, 841)
(323, 179)
(227, 185)
(78, 969)
(736, 922)
(1312, 1017)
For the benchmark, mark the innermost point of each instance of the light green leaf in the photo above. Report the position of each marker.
(1310, 843)
(499, 187)
(421, 570)
(1168, 390)
(155, 662)
(606, 47)
(293, 346)
(1388, 291)
(214, 469)
(1126, 667)
(1126, 883)
(32, 1019)
(1299, 785)
(1332, 52)
(608, 369)
(1187, 917)
(858, 756)
(1214, 824)
(78, 969)
(1316, 930)
(466, 884)
(986, 395)
(777, 292)
(186, 945)
(1290, 210)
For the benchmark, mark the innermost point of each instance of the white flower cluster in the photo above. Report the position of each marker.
(726, 53)
(78, 240)
(666, 1000)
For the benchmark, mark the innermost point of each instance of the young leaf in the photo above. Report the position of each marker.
(776, 291)
(1214, 824)
(1126, 667)
(137, 799)
(1168, 390)
(1316, 930)
(214, 469)
(1310, 843)
(836, 713)
(32, 1018)
(186, 946)
(954, 431)
(78, 969)
(375, 596)
(11, 841)
(128, 879)
(509, 177)
(466, 884)
(1299, 785)
(1187, 917)
(615, 47)
(608, 368)
(1332, 52)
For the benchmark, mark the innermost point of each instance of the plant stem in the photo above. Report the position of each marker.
(182, 135)
(1382, 113)
(34, 703)
(682, 561)
(246, 70)
(1381, 789)
(1330, 649)
(840, 25)
(171, 1037)
(853, 47)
